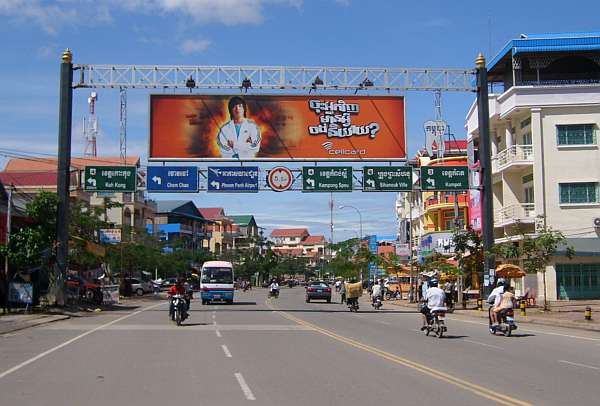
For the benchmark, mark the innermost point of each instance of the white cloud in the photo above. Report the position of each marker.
(191, 46)
(49, 17)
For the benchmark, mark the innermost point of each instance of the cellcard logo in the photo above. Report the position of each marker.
(328, 145)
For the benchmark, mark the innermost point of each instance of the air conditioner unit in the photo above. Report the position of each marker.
(597, 222)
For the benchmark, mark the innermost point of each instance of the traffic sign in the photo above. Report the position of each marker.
(172, 179)
(280, 179)
(110, 179)
(233, 179)
(387, 178)
(444, 178)
(327, 179)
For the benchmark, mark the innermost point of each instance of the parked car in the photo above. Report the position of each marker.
(140, 287)
(318, 290)
(167, 283)
(87, 290)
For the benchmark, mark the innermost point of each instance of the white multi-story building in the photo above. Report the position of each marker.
(544, 121)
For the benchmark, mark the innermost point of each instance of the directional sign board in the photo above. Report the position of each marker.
(387, 178)
(232, 179)
(327, 179)
(172, 179)
(110, 179)
(444, 178)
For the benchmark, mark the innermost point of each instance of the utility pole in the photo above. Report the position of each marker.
(8, 227)
(485, 162)
(64, 164)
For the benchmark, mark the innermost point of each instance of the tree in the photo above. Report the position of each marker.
(537, 252)
(468, 248)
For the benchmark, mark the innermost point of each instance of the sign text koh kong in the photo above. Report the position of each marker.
(110, 179)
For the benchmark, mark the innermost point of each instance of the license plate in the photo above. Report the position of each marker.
(320, 291)
(217, 296)
(441, 318)
(510, 318)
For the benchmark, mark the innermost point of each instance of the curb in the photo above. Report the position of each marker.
(552, 323)
(17, 325)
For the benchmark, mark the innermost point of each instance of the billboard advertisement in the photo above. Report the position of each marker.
(276, 128)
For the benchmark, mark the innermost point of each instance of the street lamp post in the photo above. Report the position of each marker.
(359, 217)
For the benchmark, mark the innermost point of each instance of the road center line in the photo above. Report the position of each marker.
(72, 340)
(578, 365)
(226, 351)
(245, 388)
(218, 333)
(484, 344)
(466, 385)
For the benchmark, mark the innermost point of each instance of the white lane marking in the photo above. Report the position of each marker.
(226, 351)
(218, 333)
(484, 344)
(245, 388)
(10, 335)
(72, 340)
(214, 316)
(578, 365)
(532, 331)
(215, 322)
(383, 322)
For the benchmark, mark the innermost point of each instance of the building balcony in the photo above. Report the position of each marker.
(516, 213)
(516, 157)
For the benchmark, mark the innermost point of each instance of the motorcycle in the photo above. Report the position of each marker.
(274, 293)
(352, 304)
(178, 309)
(436, 323)
(506, 322)
(377, 303)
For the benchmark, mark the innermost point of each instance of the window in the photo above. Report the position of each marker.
(527, 139)
(582, 192)
(528, 194)
(579, 134)
(526, 122)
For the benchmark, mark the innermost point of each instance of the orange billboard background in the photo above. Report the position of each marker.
(317, 127)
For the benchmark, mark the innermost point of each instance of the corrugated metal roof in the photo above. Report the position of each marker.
(556, 42)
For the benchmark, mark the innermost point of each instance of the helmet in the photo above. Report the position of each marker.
(501, 282)
(433, 282)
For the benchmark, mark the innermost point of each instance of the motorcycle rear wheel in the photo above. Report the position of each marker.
(508, 331)
(440, 332)
(178, 317)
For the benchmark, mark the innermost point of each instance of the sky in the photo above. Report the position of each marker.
(352, 33)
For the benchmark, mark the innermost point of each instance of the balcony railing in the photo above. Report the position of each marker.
(514, 154)
(514, 214)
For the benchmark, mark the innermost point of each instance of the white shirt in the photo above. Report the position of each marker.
(376, 290)
(246, 145)
(436, 299)
(274, 286)
(496, 296)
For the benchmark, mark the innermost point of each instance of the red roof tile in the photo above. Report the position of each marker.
(50, 164)
(289, 232)
(313, 240)
(212, 213)
(23, 178)
(289, 251)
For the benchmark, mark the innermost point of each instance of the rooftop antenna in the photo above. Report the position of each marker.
(90, 128)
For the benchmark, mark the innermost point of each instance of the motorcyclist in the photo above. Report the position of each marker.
(495, 298)
(177, 289)
(274, 287)
(377, 291)
(351, 301)
(436, 300)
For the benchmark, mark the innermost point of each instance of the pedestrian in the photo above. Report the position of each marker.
(343, 292)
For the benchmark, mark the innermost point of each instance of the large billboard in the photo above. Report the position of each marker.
(276, 128)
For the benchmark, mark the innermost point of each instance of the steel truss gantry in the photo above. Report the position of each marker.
(274, 77)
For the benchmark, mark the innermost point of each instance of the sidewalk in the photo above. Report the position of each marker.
(19, 321)
(567, 315)
(15, 322)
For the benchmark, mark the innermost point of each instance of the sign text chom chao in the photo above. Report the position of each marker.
(276, 128)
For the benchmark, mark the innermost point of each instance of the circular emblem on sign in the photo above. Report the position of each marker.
(280, 179)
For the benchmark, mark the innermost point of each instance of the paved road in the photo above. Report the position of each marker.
(285, 351)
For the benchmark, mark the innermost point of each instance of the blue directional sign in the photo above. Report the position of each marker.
(172, 179)
(232, 179)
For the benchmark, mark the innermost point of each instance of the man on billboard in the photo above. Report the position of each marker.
(239, 137)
